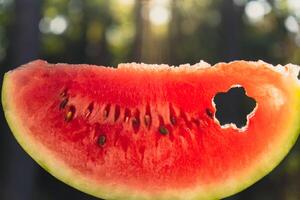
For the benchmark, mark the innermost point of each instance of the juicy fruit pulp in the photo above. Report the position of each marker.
(151, 132)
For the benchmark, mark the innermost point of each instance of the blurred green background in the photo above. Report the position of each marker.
(151, 31)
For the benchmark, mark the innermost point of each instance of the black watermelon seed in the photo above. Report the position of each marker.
(63, 94)
(70, 113)
(209, 113)
(163, 130)
(173, 120)
(127, 115)
(101, 140)
(63, 104)
(106, 111)
(135, 121)
(172, 114)
(90, 109)
(69, 116)
(117, 112)
(135, 124)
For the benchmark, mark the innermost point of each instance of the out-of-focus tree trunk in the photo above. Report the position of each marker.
(78, 53)
(175, 33)
(102, 55)
(98, 52)
(230, 30)
(137, 46)
(25, 43)
(147, 36)
(150, 47)
(24, 47)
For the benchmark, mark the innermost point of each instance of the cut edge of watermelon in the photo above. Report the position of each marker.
(60, 170)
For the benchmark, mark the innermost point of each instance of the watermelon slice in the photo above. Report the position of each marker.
(153, 131)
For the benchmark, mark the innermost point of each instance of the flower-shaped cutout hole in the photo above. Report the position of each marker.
(234, 107)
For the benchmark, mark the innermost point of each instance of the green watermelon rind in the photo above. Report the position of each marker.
(62, 172)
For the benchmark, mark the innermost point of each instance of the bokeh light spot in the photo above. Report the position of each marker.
(291, 24)
(256, 10)
(293, 5)
(44, 25)
(159, 12)
(58, 25)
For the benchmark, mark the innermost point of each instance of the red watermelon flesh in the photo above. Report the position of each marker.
(150, 131)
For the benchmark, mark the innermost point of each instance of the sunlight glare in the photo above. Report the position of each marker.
(291, 24)
(293, 5)
(126, 2)
(256, 10)
(159, 12)
(58, 25)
